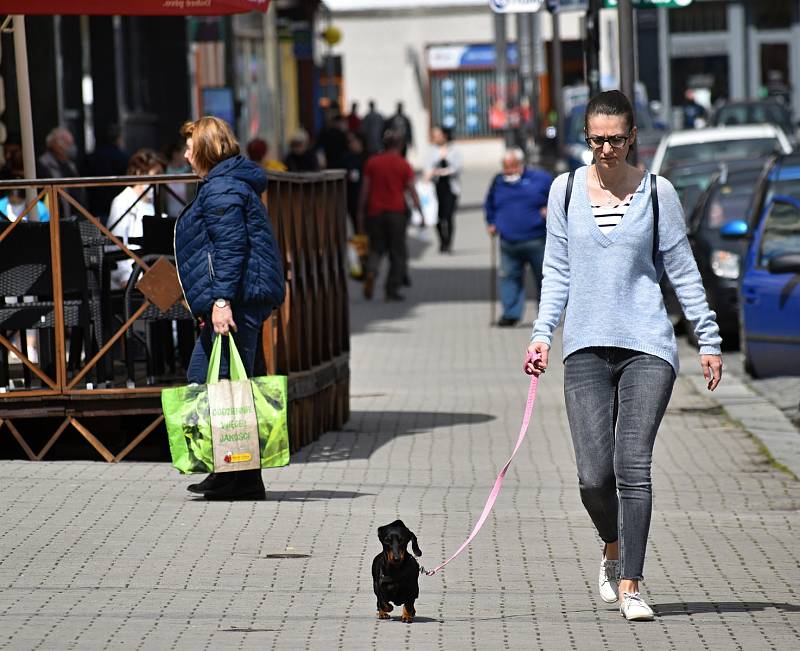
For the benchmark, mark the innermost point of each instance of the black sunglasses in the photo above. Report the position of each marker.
(617, 142)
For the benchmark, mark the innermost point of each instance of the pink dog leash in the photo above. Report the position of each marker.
(498, 484)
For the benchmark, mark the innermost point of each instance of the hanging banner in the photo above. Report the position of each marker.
(132, 7)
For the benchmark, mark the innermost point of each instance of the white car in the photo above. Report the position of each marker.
(718, 144)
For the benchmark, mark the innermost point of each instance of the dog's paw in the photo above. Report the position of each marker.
(407, 616)
(382, 614)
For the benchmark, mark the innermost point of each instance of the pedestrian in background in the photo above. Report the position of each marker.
(353, 121)
(516, 208)
(300, 157)
(258, 152)
(229, 266)
(109, 158)
(129, 207)
(401, 125)
(372, 128)
(388, 179)
(619, 348)
(354, 165)
(443, 168)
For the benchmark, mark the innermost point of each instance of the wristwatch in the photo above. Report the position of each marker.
(222, 302)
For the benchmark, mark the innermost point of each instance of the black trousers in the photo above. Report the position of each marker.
(446, 223)
(387, 236)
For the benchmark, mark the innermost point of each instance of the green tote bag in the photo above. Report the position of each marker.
(187, 415)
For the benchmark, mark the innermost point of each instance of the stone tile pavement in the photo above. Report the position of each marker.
(96, 556)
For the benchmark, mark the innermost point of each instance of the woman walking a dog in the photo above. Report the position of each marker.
(603, 258)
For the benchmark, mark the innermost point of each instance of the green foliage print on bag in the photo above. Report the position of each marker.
(188, 419)
(269, 395)
(197, 427)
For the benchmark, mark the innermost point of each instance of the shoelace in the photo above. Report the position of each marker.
(634, 599)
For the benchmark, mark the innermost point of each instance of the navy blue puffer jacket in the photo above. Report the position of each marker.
(224, 244)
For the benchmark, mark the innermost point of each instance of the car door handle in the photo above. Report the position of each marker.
(750, 295)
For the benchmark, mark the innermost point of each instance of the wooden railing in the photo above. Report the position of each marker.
(79, 381)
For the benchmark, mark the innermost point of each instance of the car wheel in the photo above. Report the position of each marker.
(747, 363)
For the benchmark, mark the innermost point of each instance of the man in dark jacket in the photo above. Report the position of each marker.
(401, 125)
(516, 208)
(372, 128)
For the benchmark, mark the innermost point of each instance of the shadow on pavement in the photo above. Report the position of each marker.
(311, 495)
(369, 430)
(698, 607)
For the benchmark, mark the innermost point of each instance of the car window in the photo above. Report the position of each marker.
(690, 186)
(753, 114)
(781, 232)
(720, 150)
(789, 187)
(728, 203)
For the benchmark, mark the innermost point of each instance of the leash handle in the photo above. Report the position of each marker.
(487, 509)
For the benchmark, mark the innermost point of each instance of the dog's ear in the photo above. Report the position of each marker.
(382, 532)
(414, 545)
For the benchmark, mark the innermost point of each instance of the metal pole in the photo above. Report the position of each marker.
(500, 45)
(664, 66)
(538, 68)
(525, 73)
(626, 65)
(558, 82)
(592, 47)
(25, 114)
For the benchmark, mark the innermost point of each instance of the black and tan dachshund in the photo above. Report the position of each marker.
(395, 573)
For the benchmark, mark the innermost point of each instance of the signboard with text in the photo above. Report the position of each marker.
(647, 4)
(516, 6)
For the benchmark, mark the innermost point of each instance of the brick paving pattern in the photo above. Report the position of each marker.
(96, 556)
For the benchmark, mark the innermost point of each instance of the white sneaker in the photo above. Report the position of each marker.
(609, 580)
(634, 609)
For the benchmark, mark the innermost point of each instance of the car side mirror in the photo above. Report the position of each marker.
(734, 229)
(788, 263)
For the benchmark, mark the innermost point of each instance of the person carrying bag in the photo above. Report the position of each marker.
(227, 425)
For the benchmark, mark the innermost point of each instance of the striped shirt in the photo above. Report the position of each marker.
(608, 217)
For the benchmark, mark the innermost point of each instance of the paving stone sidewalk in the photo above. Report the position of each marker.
(96, 556)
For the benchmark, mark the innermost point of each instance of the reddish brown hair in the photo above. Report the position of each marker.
(212, 142)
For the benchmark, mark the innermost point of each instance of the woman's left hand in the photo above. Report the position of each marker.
(222, 320)
(712, 369)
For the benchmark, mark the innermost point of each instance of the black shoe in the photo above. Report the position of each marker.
(212, 482)
(394, 297)
(507, 322)
(406, 281)
(244, 485)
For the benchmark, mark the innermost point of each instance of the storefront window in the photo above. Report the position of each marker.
(700, 17)
(772, 15)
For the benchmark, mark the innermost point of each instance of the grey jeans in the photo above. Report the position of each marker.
(615, 401)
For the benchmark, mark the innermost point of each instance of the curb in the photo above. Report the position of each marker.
(759, 417)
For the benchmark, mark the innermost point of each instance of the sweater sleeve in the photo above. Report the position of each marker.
(681, 268)
(555, 281)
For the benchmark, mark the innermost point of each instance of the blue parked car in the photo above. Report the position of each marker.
(769, 305)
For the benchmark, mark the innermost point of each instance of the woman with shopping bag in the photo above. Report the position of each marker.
(229, 267)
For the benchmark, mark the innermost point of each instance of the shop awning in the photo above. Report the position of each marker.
(132, 7)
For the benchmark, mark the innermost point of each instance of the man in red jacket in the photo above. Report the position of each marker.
(388, 178)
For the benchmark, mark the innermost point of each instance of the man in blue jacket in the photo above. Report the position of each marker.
(516, 208)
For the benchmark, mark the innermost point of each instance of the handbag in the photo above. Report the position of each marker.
(227, 425)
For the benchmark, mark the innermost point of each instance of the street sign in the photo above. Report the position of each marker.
(646, 4)
(564, 6)
(515, 6)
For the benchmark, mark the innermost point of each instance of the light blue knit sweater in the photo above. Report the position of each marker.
(608, 282)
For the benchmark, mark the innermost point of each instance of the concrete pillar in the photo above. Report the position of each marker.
(664, 66)
(737, 53)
